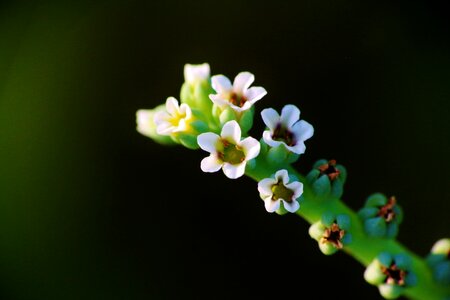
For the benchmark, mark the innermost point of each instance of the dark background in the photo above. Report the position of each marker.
(90, 209)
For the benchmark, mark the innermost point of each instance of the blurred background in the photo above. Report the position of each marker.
(90, 209)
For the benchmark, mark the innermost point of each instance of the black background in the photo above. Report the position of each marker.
(91, 209)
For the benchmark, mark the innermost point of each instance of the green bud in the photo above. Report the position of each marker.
(441, 272)
(316, 230)
(403, 261)
(390, 291)
(327, 248)
(343, 221)
(375, 227)
(188, 140)
(368, 212)
(312, 175)
(226, 115)
(246, 120)
(277, 155)
(385, 258)
(337, 188)
(391, 230)
(347, 239)
(202, 89)
(322, 186)
(328, 218)
(376, 199)
(199, 126)
(373, 273)
(411, 279)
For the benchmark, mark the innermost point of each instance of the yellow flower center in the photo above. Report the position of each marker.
(279, 191)
(231, 153)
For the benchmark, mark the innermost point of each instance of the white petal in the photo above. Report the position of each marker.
(270, 117)
(298, 148)
(172, 106)
(234, 171)
(289, 115)
(293, 206)
(242, 81)
(165, 128)
(210, 164)
(255, 93)
(231, 131)
(185, 110)
(221, 84)
(160, 117)
(267, 137)
(219, 100)
(271, 205)
(265, 186)
(194, 73)
(303, 130)
(296, 187)
(208, 141)
(283, 175)
(251, 147)
(144, 120)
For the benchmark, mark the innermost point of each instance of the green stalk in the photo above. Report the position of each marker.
(363, 248)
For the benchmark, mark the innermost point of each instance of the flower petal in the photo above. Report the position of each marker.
(271, 205)
(283, 176)
(255, 93)
(298, 148)
(221, 84)
(234, 171)
(186, 111)
(172, 106)
(208, 141)
(267, 137)
(251, 147)
(210, 164)
(296, 187)
(194, 73)
(289, 115)
(270, 117)
(219, 100)
(292, 206)
(265, 186)
(231, 131)
(144, 121)
(303, 130)
(242, 81)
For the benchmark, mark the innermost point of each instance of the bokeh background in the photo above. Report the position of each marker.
(90, 209)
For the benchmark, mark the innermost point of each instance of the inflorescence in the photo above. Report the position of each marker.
(215, 115)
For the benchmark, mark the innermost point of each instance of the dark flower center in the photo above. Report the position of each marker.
(334, 235)
(237, 100)
(282, 134)
(387, 211)
(329, 169)
(394, 275)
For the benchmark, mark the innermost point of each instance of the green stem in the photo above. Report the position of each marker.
(363, 248)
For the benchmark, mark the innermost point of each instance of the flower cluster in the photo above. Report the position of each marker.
(391, 273)
(215, 114)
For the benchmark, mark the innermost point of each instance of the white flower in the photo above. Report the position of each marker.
(276, 190)
(144, 120)
(176, 118)
(196, 73)
(286, 129)
(228, 151)
(238, 96)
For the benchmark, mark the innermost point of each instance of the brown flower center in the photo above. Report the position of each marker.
(237, 99)
(394, 275)
(282, 134)
(329, 169)
(333, 235)
(387, 211)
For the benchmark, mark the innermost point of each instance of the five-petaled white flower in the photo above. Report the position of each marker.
(196, 73)
(276, 190)
(286, 129)
(175, 119)
(238, 96)
(228, 151)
